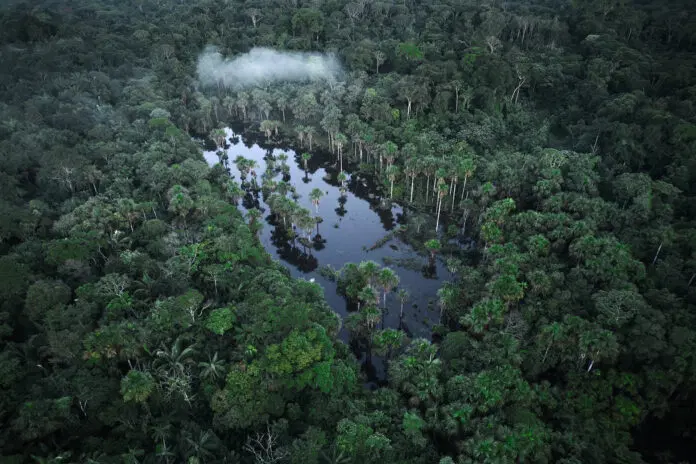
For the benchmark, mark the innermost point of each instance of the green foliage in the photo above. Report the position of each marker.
(359, 440)
(221, 320)
(410, 51)
(137, 386)
(555, 144)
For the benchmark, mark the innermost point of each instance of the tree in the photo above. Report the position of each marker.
(433, 246)
(468, 168)
(387, 341)
(442, 193)
(447, 297)
(137, 386)
(342, 178)
(403, 297)
(380, 57)
(392, 172)
(315, 195)
(388, 280)
(219, 136)
(265, 448)
(213, 368)
(175, 358)
(305, 159)
(253, 216)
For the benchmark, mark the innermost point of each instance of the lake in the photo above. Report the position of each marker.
(353, 222)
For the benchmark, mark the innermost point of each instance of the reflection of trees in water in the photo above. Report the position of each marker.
(341, 211)
(319, 242)
(429, 271)
(363, 188)
(251, 200)
(369, 362)
(294, 252)
(299, 257)
(386, 218)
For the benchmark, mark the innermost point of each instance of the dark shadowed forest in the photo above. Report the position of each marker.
(533, 160)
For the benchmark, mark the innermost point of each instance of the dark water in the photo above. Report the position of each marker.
(352, 224)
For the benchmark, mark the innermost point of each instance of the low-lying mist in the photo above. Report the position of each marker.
(265, 65)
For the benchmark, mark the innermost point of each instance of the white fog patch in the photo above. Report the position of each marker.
(264, 65)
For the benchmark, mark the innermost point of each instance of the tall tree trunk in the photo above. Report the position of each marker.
(413, 178)
(464, 187)
(427, 187)
(437, 223)
(454, 194)
(435, 187)
(658, 253)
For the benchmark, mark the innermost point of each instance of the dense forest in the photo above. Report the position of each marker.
(143, 321)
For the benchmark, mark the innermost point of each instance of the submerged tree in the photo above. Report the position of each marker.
(388, 280)
(403, 298)
(315, 195)
(305, 159)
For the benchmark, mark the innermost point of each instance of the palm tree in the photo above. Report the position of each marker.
(455, 179)
(202, 445)
(392, 171)
(242, 166)
(175, 358)
(340, 142)
(418, 222)
(371, 315)
(342, 178)
(213, 368)
(282, 188)
(387, 279)
(442, 193)
(305, 159)
(433, 246)
(252, 166)
(369, 270)
(446, 296)
(267, 127)
(334, 456)
(411, 170)
(253, 216)
(315, 195)
(234, 193)
(390, 152)
(429, 166)
(403, 297)
(310, 131)
(367, 295)
(218, 136)
(306, 223)
(468, 167)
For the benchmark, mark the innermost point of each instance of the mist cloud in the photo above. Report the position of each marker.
(262, 65)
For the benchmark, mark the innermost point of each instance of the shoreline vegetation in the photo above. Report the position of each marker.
(541, 152)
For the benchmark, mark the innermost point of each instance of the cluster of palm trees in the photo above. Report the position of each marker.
(441, 176)
(368, 285)
(246, 166)
(292, 215)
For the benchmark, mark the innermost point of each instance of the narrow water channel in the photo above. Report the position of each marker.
(353, 223)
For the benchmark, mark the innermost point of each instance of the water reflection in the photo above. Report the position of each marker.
(354, 217)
